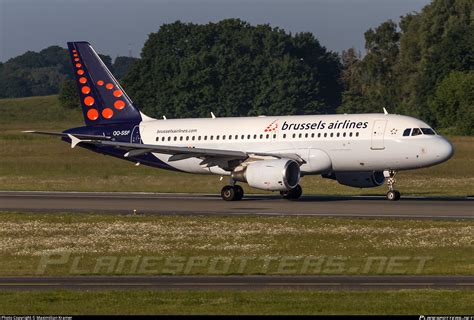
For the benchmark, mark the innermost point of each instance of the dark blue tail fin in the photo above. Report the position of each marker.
(103, 99)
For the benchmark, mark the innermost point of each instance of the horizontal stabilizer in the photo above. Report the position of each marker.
(62, 134)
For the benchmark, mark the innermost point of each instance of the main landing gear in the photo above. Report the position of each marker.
(235, 193)
(392, 194)
(232, 193)
(292, 194)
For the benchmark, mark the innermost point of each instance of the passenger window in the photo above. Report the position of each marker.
(274, 136)
(416, 132)
(248, 137)
(350, 134)
(332, 134)
(157, 138)
(181, 138)
(261, 136)
(319, 135)
(325, 134)
(205, 137)
(169, 138)
(294, 135)
(242, 137)
(300, 135)
(223, 137)
(255, 136)
(357, 134)
(211, 138)
(193, 138)
(236, 137)
(162, 138)
(217, 137)
(267, 136)
(199, 138)
(284, 136)
(406, 133)
(230, 137)
(187, 138)
(344, 134)
(305, 135)
(337, 134)
(312, 135)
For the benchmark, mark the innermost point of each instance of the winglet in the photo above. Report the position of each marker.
(74, 141)
(385, 111)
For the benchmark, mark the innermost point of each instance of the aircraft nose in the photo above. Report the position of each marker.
(444, 150)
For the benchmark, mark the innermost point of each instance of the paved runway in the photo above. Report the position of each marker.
(238, 282)
(188, 204)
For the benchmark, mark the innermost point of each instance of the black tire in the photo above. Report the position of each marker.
(228, 193)
(397, 195)
(292, 194)
(393, 195)
(239, 192)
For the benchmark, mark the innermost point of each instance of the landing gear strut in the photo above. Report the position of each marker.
(232, 193)
(392, 194)
(292, 194)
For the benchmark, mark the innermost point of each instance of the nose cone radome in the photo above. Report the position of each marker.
(444, 150)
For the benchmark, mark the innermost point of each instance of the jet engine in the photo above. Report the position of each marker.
(365, 179)
(272, 175)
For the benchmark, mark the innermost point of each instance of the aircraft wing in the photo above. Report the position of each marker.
(226, 159)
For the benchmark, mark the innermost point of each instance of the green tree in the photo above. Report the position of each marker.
(68, 97)
(122, 65)
(233, 68)
(404, 67)
(453, 102)
(37, 73)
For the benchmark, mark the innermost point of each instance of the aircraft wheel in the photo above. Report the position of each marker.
(232, 193)
(292, 194)
(239, 192)
(393, 195)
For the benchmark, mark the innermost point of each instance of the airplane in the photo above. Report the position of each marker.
(266, 152)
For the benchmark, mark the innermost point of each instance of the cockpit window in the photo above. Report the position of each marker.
(428, 131)
(406, 133)
(416, 132)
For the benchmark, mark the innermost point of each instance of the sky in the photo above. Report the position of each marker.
(118, 27)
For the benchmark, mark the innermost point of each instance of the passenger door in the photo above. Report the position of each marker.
(378, 132)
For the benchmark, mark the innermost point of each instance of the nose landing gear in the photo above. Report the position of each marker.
(392, 194)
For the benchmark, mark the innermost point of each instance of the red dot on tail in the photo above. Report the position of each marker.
(119, 105)
(89, 101)
(107, 113)
(92, 114)
(118, 93)
(82, 80)
(100, 83)
(109, 86)
(85, 90)
(80, 72)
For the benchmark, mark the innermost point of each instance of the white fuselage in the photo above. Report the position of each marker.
(327, 143)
